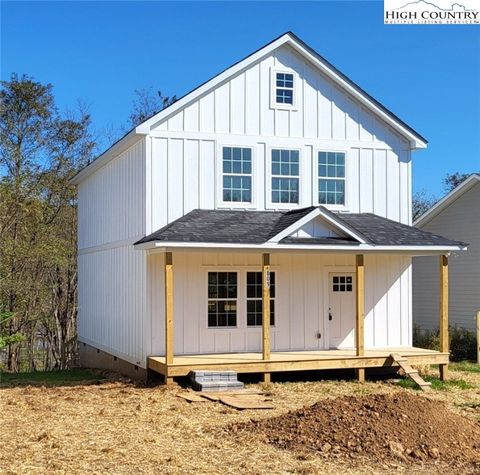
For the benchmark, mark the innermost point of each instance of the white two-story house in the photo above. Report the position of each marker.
(261, 223)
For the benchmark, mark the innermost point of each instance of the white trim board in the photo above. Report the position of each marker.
(312, 215)
(164, 246)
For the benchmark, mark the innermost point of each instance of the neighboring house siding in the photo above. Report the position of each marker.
(112, 274)
(186, 147)
(300, 302)
(461, 221)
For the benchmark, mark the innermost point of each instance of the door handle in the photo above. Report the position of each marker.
(330, 316)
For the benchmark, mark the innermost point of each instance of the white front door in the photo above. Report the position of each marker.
(341, 301)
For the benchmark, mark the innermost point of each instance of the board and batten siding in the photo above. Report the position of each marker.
(300, 307)
(185, 160)
(176, 168)
(459, 221)
(112, 274)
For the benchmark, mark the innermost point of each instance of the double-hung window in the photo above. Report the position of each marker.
(285, 176)
(284, 88)
(331, 178)
(237, 174)
(222, 299)
(254, 298)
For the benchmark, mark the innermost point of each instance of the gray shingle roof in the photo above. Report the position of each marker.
(385, 232)
(257, 227)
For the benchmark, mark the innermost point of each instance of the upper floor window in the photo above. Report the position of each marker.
(237, 174)
(285, 176)
(284, 88)
(331, 178)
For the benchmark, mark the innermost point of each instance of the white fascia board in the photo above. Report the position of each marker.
(340, 225)
(116, 149)
(295, 226)
(203, 89)
(312, 215)
(446, 201)
(415, 141)
(268, 246)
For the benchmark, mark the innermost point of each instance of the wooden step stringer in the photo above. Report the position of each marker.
(410, 372)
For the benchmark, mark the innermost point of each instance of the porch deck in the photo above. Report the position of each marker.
(292, 361)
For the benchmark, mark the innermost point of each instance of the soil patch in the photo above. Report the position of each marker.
(387, 428)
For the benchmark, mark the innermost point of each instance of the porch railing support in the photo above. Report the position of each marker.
(443, 313)
(168, 313)
(360, 313)
(266, 312)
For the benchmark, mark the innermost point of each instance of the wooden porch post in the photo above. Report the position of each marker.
(266, 312)
(360, 313)
(168, 312)
(443, 313)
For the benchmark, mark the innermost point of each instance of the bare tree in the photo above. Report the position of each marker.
(147, 103)
(421, 202)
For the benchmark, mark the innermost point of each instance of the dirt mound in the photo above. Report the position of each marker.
(398, 427)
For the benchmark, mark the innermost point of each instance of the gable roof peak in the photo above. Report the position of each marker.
(325, 67)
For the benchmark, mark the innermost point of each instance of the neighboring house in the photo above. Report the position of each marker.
(456, 215)
(266, 213)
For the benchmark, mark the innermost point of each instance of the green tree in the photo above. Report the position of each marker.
(40, 150)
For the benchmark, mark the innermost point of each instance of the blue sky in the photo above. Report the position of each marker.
(100, 52)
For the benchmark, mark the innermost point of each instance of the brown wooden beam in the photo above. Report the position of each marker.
(360, 312)
(443, 313)
(168, 311)
(266, 311)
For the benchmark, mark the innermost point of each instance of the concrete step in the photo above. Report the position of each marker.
(214, 380)
(217, 385)
(213, 375)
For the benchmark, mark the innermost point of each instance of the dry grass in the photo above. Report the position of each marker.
(120, 428)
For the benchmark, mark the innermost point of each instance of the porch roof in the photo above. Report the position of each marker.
(277, 228)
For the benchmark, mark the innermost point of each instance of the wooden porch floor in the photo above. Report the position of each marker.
(292, 361)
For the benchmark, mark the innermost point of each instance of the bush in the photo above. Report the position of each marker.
(463, 343)
(428, 339)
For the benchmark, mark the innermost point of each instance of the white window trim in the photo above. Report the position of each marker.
(241, 299)
(256, 298)
(237, 299)
(273, 89)
(316, 178)
(268, 179)
(220, 203)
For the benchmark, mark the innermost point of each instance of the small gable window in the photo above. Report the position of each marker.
(285, 176)
(331, 178)
(237, 174)
(284, 88)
